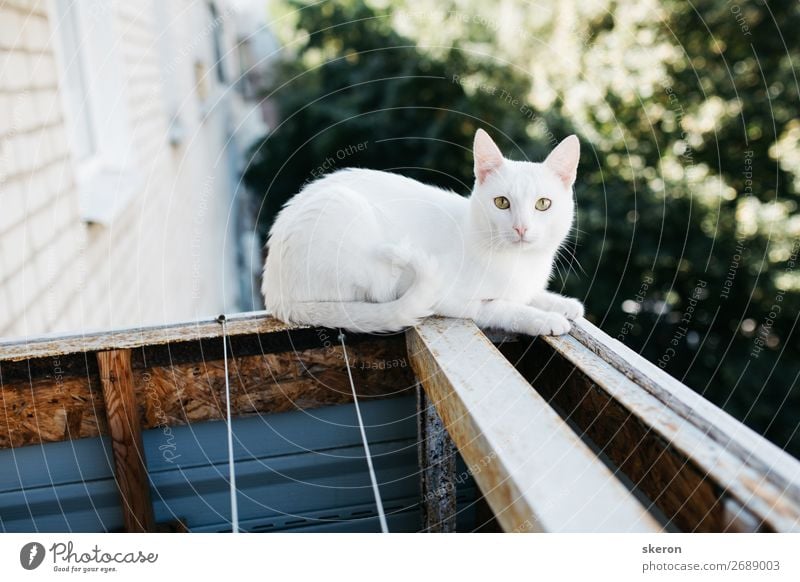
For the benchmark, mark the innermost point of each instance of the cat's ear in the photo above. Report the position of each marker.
(563, 160)
(487, 155)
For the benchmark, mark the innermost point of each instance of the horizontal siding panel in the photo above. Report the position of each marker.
(269, 435)
(296, 471)
(288, 486)
(86, 507)
(55, 464)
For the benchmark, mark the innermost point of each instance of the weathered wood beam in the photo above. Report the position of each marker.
(437, 463)
(740, 440)
(116, 377)
(534, 471)
(675, 486)
(252, 323)
(693, 461)
(745, 466)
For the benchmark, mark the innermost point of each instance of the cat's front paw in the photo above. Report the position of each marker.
(570, 308)
(556, 324)
(548, 324)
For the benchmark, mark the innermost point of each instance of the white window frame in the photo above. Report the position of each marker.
(105, 179)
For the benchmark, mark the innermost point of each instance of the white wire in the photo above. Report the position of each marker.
(231, 469)
(372, 476)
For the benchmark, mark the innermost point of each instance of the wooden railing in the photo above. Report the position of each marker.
(690, 465)
(69, 387)
(575, 433)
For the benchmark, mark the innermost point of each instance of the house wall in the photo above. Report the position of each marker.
(168, 254)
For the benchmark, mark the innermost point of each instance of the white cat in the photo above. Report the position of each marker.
(374, 251)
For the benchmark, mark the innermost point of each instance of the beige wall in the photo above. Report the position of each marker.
(163, 257)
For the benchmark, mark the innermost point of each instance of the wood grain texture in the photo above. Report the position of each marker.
(116, 378)
(673, 484)
(739, 440)
(669, 454)
(743, 465)
(536, 474)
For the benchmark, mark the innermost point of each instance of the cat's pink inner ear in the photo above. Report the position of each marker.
(488, 157)
(563, 160)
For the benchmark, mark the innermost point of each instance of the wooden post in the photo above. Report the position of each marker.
(437, 462)
(116, 376)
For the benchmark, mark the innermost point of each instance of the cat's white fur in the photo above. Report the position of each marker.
(374, 251)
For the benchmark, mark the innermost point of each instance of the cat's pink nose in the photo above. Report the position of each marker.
(521, 230)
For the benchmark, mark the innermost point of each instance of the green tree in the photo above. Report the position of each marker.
(713, 207)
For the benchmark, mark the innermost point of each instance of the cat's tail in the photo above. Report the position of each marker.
(366, 317)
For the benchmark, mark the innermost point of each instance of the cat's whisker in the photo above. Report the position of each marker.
(574, 260)
(566, 254)
(561, 275)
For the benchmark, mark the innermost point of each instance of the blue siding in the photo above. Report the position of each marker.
(296, 471)
(66, 486)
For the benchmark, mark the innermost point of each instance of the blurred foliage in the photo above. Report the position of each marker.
(669, 97)
(712, 204)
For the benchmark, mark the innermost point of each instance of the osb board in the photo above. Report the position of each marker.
(43, 411)
(42, 403)
(270, 383)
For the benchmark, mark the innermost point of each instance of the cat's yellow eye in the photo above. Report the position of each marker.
(502, 203)
(543, 204)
